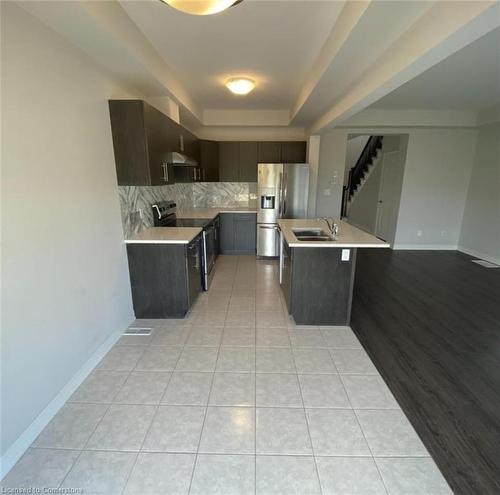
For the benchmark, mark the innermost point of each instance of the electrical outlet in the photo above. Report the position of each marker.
(327, 192)
(443, 233)
(419, 233)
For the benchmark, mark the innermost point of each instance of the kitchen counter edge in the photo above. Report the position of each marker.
(349, 236)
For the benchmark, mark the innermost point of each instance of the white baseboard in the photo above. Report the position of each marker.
(426, 247)
(478, 254)
(19, 447)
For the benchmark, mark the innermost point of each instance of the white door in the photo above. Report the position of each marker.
(388, 198)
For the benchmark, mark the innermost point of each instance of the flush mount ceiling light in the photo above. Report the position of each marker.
(240, 85)
(201, 7)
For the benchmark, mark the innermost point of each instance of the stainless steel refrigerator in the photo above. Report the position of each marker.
(282, 192)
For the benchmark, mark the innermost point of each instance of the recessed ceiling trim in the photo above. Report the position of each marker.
(442, 31)
(347, 20)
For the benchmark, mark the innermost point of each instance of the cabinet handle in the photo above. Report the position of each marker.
(267, 227)
(165, 173)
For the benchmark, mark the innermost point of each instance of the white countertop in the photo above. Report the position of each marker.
(165, 235)
(349, 236)
(212, 212)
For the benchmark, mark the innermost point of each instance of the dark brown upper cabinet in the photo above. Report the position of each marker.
(209, 160)
(293, 152)
(229, 157)
(141, 141)
(269, 152)
(248, 160)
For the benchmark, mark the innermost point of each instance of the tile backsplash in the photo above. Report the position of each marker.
(136, 201)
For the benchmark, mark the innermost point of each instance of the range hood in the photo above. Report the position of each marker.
(178, 159)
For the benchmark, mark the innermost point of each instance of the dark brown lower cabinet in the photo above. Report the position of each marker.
(317, 284)
(238, 233)
(165, 278)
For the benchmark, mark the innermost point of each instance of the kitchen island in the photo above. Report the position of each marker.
(317, 276)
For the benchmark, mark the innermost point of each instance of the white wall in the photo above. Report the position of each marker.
(480, 235)
(436, 178)
(332, 155)
(363, 210)
(64, 270)
(313, 148)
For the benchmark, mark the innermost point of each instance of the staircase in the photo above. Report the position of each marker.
(358, 175)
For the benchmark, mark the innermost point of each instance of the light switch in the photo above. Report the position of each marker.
(346, 254)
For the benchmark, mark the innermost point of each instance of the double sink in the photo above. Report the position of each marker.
(313, 235)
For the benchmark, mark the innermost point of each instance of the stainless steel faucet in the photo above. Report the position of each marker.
(332, 227)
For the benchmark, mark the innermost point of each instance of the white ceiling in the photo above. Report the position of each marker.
(274, 42)
(467, 80)
(317, 63)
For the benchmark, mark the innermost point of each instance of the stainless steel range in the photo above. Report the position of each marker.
(164, 215)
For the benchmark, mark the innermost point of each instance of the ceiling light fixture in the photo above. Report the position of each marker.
(240, 85)
(201, 7)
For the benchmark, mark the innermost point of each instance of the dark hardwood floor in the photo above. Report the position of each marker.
(430, 321)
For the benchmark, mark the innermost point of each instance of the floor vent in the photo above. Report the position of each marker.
(138, 331)
(486, 264)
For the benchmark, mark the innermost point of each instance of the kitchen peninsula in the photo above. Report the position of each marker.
(317, 269)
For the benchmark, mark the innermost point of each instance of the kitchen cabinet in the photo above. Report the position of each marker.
(183, 173)
(293, 152)
(229, 156)
(269, 152)
(165, 278)
(245, 233)
(317, 284)
(209, 160)
(248, 161)
(238, 233)
(140, 143)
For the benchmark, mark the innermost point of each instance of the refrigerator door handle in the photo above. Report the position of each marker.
(280, 187)
(281, 256)
(285, 177)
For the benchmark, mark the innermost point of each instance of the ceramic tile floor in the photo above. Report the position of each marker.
(235, 399)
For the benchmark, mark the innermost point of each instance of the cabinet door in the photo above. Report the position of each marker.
(228, 161)
(245, 226)
(293, 152)
(269, 152)
(191, 145)
(157, 138)
(129, 142)
(249, 157)
(209, 160)
(226, 237)
(173, 130)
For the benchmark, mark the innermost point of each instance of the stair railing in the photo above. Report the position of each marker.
(360, 168)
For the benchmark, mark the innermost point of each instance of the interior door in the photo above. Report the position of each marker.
(388, 199)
